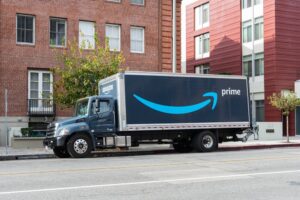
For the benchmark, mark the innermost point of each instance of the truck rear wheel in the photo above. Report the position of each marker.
(182, 146)
(61, 152)
(205, 141)
(79, 146)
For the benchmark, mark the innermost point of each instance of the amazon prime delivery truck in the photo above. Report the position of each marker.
(189, 111)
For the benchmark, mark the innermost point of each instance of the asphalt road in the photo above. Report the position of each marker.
(253, 174)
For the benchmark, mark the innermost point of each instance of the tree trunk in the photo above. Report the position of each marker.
(287, 129)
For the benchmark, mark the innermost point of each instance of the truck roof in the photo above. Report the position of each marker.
(166, 74)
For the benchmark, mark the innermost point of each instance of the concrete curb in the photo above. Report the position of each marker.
(94, 154)
(147, 152)
(26, 156)
(258, 146)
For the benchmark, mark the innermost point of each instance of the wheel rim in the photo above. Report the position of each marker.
(80, 146)
(207, 141)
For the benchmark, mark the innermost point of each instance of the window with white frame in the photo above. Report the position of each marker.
(257, 2)
(246, 3)
(25, 29)
(137, 2)
(247, 31)
(39, 87)
(117, 1)
(202, 16)
(87, 35)
(259, 28)
(202, 69)
(260, 110)
(137, 43)
(113, 34)
(58, 29)
(258, 64)
(202, 46)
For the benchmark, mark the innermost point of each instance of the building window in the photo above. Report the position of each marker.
(247, 31)
(87, 35)
(40, 88)
(257, 2)
(112, 33)
(259, 28)
(260, 110)
(247, 66)
(202, 16)
(246, 3)
(117, 1)
(137, 39)
(137, 2)
(202, 46)
(202, 69)
(25, 29)
(259, 65)
(58, 29)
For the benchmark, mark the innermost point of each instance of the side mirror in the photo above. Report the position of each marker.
(97, 109)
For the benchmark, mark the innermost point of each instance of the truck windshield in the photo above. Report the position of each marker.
(81, 108)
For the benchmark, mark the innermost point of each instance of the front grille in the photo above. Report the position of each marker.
(50, 130)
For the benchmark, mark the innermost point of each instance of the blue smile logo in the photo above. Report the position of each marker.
(178, 110)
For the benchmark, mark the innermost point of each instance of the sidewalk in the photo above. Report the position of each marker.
(259, 144)
(18, 154)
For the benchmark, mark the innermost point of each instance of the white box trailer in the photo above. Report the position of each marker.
(164, 101)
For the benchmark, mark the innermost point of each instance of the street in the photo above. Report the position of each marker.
(253, 174)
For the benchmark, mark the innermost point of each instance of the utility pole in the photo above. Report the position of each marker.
(253, 69)
(6, 129)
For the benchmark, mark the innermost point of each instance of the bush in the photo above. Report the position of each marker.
(26, 132)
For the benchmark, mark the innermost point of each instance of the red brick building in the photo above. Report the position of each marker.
(223, 36)
(32, 31)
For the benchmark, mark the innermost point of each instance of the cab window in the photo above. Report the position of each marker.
(104, 107)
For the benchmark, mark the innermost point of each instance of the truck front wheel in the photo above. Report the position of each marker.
(61, 152)
(205, 141)
(79, 146)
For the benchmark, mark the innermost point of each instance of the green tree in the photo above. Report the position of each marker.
(79, 71)
(286, 103)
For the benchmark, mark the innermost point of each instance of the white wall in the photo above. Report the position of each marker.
(297, 88)
(11, 122)
(269, 131)
(183, 33)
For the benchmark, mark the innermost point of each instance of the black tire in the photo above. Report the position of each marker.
(79, 146)
(205, 141)
(182, 146)
(61, 152)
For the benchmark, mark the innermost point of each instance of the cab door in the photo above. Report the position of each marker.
(103, 121)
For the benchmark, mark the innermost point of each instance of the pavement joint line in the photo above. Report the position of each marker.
(257, 159)
(96, 169)
(148, 166)
(222, 177)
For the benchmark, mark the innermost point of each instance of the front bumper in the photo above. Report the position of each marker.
(52, 142)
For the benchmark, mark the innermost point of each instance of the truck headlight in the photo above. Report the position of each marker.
(56, 126)
(62, 132)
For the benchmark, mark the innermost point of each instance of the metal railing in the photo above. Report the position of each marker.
(41, 107)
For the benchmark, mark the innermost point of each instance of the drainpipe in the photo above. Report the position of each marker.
(253, 70)
(174, 37)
